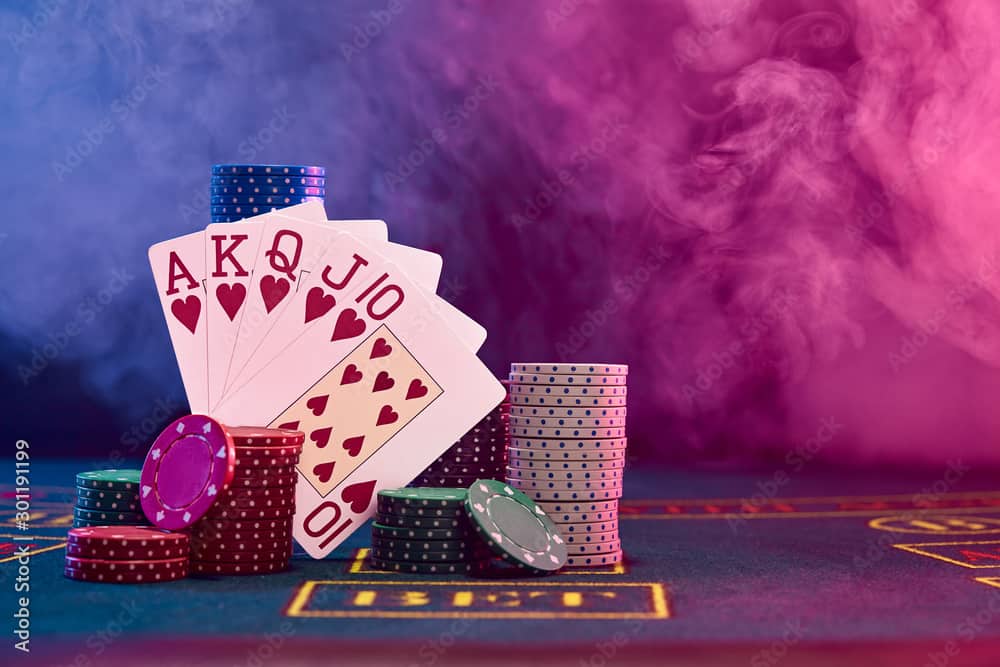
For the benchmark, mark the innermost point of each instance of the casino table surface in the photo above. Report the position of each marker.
(723, 567)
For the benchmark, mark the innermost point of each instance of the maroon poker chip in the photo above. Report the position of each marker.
(249, 556)
(243, 513)
(190, 463)
(253, 436)
(257, 493)
(127, 577)
(253, 461)
(245, 542)
(126, 543)
(240, 484)
(271, 502)
(265, 473)
(110, 567)
(236, 569)
(252, 523)
(234, 539)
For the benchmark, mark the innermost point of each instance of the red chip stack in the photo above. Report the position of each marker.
(126, 555)
(248, 529)
(479, 454)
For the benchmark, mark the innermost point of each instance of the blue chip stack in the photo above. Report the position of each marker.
(244, 190)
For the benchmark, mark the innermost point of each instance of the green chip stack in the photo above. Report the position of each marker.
(426, 531)
(108, 498)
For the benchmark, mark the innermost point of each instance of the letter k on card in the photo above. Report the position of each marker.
(356, 408)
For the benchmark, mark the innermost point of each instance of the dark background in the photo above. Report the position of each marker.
(780, 214)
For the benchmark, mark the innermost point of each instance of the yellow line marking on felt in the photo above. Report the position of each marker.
(658, 599)
(914, 548)
(41, 538)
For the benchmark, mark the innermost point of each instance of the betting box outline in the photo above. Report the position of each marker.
(914, 548)
(297, 606)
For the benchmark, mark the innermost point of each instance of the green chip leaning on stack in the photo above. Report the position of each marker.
(108, 498)
(431, 530)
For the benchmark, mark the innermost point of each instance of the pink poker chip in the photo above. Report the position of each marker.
(189, 465)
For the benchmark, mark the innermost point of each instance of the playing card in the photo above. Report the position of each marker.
(399, 390)
(287, 253)
(178, 269)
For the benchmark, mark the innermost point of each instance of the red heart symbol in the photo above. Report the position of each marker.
(351, 375)
(386, 416)
(383, 382)
(231, 298)
(380, 349)
(318, 304)
(321, 436)
(273, 290)
(187, 311)
(416, 389)
(324, 471)
(348, 325)
(358, 496)
(291, 426)
(317, 404)
(353, 445)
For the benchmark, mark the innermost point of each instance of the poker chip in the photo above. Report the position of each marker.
(259, 554)
(125, 505)
(227, 218)
(240, 483)
(589, 537)
(478, 454)
(569, 444)
(567, 413)
(562, 369)
(425, 497)
(243, 209)
(514, 527)
(126, 543)
(109, 566)
(102, 494)
(420, 534)
(470, 543)
(238, 540)
(110, 480)
(566, 390)
(603, 433)
(109, 516)
(582, 548)
(265, 199)
(445, 480)
(237, 569)
(598, 506)
(564, 484)
(253, 502)
(251, 461)
(569, 465)
(593, 522)
(276, 180)
(127, 576)
(417, 511)
(427, 556)
(275, 441)
(265, 473)
(191, 462)
(567, 401)
(563, 475)
(425, 568)
(568, 422)
(594, 560)
(516, 456)
(551, 495)
(423, 522)
(248, 513)
(209, 525)
(267, 170)
(566, 379)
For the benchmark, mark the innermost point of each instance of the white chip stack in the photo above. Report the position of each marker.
(567, 451)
